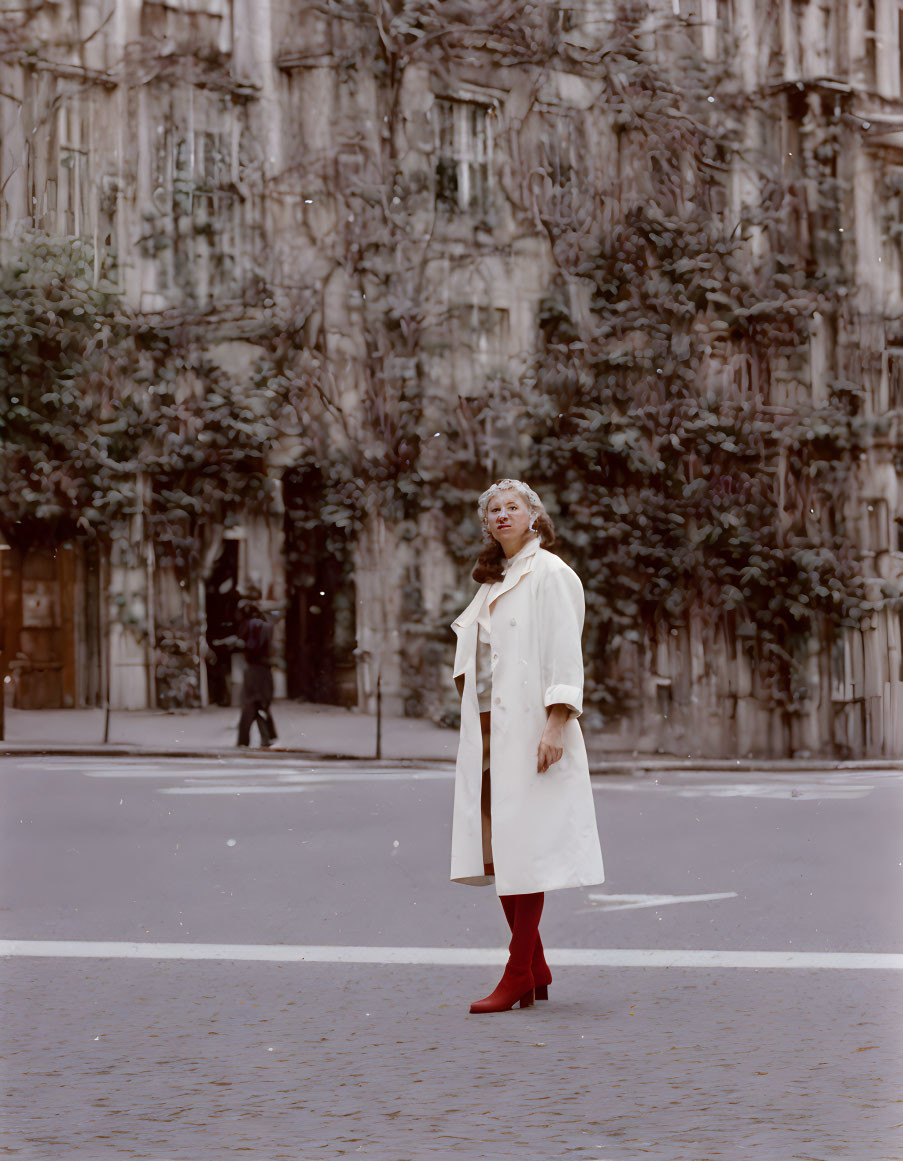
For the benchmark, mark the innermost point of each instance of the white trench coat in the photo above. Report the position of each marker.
(544, 834)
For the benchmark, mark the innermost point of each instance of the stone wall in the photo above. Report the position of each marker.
(201, 146)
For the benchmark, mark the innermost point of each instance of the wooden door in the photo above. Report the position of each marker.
(39, 631)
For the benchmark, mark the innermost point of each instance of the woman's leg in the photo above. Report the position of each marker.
(542, 977)
(486, 799)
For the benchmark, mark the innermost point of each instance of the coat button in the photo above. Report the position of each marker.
(498, 701)
(514, 620)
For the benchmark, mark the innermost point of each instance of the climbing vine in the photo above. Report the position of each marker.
(106, 417)
(696, 477)
(666, 415)
(118, 430)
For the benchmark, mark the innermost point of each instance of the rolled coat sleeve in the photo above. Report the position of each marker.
(561, 612)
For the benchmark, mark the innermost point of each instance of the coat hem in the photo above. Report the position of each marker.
(492, 880)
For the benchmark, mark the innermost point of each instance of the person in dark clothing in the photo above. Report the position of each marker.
(257, 690)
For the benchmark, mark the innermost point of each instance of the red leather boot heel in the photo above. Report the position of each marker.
(541, 991)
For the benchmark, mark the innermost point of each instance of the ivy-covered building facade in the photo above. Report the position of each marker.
(284, 286)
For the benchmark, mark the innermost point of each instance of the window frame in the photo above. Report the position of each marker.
(463, 172)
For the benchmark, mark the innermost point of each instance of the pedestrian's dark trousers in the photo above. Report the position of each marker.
(256, 695)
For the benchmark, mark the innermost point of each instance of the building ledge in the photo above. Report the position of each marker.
(300, 59)
(30, 60)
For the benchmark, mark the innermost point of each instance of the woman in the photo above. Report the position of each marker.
(524, 817)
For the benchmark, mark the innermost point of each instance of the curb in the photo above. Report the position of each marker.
(633, 766)
(233, 755)
(741, 765)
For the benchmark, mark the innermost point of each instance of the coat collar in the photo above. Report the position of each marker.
(516, 568)
(529, 549)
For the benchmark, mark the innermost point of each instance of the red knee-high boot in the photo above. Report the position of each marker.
(516, 985)
(542, 977)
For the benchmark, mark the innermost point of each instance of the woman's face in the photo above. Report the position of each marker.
(508, 514)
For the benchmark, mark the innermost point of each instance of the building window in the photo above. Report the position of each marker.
(74, 202)
(871, 46)
(560, 147)
(893, 395)
(878, 535)
(464, 149)
(900, 654)
(197, 201)
(717, 165)
(185, 26)
(200, 173)
(479, 344)
(482, 329)
(900, 47)
(716, 22)
(841, 682)
(564, 17)
(892, 224)
(74, 195)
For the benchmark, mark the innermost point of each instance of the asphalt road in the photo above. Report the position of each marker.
(179, 1059)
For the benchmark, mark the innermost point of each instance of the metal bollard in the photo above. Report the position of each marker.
(379, 717)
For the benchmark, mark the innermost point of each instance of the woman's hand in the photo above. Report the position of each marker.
(550, 744)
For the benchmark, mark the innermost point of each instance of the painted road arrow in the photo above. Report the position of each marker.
(633, 902)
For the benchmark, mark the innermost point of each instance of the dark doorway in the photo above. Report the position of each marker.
(320, 623)
(222, 623)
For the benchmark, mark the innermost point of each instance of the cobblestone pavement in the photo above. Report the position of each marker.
(137, 1060)
(202, 1061)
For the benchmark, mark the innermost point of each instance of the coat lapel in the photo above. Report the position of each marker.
(481, 606)
(516, 573)
(472, 612)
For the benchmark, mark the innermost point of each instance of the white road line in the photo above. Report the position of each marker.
(786, 789)
(634, 902)
(453, 956)
(287, 783)
(237, 788)
(802, 790)
(392, 774)
(240, 769)
(173, 772)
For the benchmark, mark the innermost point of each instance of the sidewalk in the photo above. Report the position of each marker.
(324, 731)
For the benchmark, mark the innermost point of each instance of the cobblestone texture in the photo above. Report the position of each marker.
(176, 1062)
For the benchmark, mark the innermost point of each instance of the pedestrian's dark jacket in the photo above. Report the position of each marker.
(256, 634)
